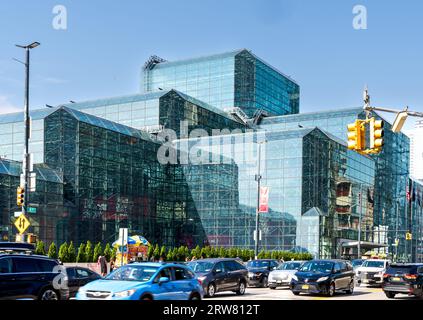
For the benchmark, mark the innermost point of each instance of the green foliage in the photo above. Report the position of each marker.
(71, 253)
(63, 252)
(40, 249)
(156, 252)
(89, 252)
(163, 252)
(196, 252)
(150, 251)
(113, 255)
(107, 252)
(81, 253)
(52, 251)
(97, 251)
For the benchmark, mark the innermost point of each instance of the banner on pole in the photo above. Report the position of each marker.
(264, 200)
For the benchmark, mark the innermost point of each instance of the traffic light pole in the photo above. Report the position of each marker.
(26, 161)
(258, 179)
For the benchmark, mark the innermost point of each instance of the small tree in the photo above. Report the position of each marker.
(113, 255)
(169, 256)
(107, 252)
(163, 252)
(150, 251)
(156, 252)
(97, 251)
(89, 252)
(71, 252)
(196, 252)
(52, 251)
(63, 252)
(40, 249)
(81, 253)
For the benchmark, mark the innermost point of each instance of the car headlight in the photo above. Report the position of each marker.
(123, 294)
(294, 277)
(82, 290)
(322, 279)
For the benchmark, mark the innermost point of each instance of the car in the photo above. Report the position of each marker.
(258, 271)
(356, 263)
(34, 277)
(281, 276)
(220, 274)
(78, 277)
(145, 281)
(371, 271)
(323, 277)
(405, 278)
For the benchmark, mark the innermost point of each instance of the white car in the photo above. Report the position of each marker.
(282, 275)
(371, 271)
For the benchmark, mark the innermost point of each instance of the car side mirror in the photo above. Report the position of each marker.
(163, 280)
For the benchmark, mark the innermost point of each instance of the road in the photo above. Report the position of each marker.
(360, 293)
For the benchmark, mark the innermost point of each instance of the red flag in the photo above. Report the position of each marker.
(264, 200)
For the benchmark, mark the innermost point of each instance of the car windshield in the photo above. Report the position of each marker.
(373, 264)
(290, 266)
(133, 273)
(317, 266)
(258, 264)
(356, 263)
(201, 266)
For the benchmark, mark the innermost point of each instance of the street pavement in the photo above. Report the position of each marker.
(360, 293)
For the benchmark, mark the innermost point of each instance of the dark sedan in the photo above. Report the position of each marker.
(402, 278)
(217, 275)
(258, 271)
(78, 277)
(323, 277)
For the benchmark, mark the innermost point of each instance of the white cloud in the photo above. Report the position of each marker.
(7, 107)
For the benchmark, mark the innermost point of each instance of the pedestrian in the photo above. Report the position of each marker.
(103, 265)
(112, 264)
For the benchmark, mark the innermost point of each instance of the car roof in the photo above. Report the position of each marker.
(22, 255)
(157, 264)
(216, 259)
(399, 264)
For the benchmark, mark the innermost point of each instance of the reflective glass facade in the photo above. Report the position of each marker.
(313, 181)
(392, 168)
(233, 79)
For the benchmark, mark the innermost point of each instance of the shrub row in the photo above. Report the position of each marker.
(89, 253)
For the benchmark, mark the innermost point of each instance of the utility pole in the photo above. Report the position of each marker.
(396, 230)
(360, 196)
(258, 179)
(26, 157)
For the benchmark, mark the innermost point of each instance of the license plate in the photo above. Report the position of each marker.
(305, 287)
(396, 279)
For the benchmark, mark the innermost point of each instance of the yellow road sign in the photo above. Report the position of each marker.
(22, 223)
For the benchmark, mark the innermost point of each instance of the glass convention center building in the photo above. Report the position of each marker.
(177, 163)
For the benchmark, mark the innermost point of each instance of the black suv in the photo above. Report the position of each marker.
(24, 276)
(258, 271)
(217, 275)
(323, 277)
(406, 278)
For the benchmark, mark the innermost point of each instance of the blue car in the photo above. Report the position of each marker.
(145, 281)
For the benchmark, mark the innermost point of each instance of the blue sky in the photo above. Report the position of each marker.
(106, 43)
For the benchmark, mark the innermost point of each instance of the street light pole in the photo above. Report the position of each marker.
(26, 158)
(258, 179)
(359, 221)
(396, 231)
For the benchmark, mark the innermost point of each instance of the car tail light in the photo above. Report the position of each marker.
(386, 275)
(410, 276)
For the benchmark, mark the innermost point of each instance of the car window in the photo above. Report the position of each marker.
(164, 273)
(6, 265)
(182, 274)
(25, 265)
(46, 265)
(219, 266)
(349, 266)
(70, 272)
(420, 270)
(230, 266)
(337, 268)
(81, 273)
(274, 264)
(343, 266)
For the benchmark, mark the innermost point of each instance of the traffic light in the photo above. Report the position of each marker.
(356, 135)
(20, 196)
(376, 134)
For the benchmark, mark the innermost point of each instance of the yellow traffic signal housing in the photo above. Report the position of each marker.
(376, 134)
(357, 135)
(20, 196)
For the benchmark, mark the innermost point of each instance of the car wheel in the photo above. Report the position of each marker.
(264, 282)
(296, 293)
(49, 294)
(331, 290)
(241, 288)
(272, 288)
(350, 290)
(211, 290)
(390, 295)
(195, 296)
